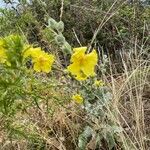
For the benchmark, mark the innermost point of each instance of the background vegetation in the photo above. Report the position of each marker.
(117, 29)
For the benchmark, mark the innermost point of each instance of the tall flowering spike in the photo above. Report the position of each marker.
(83, 65)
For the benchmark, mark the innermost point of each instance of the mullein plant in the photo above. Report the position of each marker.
(95, 98)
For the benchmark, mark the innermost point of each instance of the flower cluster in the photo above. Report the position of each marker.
(14, 52)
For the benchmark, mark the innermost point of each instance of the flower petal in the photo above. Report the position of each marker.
(89, 63)
(46, 68)
(78, 53)
(74, 68)
(81, 76)
(37, 67)
(33, 52)
(80, 48)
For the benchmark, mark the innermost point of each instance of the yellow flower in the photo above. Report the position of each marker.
(1, 43)
(3, 56)
(31, 52)
(77, 98)
(99, 83)
(83, 65)
(43, 62)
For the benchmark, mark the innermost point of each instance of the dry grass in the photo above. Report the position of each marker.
(131, 98)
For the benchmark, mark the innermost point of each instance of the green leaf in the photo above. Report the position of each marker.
(99, 137)
(116, 129)
(60, 39)
(60, 26)
(110, 140)
(83, 138)
(52, 23)
(67, 48)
